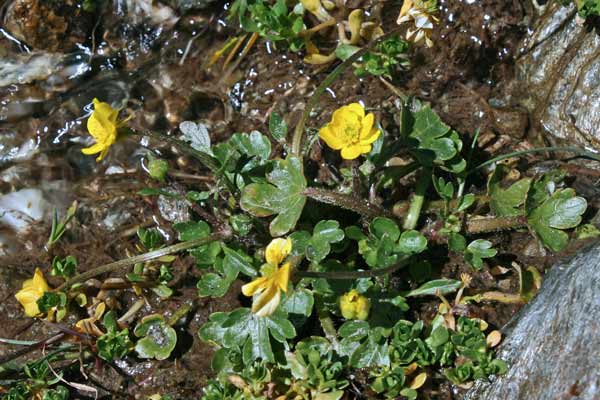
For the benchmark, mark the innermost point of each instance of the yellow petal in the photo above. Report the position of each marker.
(101, 128)
(258, 284)
(330, 138)
(366, 125)
(355, 20)
(282, 277)
(406, 6)
(31, 309)
(99, 311)
(39, 282)
(418, 381)
(95, 148)
(357, 109)
(370, 138)
(318, 59)
(266, 303)
(105, 110)
(352, 152)
(278, 250)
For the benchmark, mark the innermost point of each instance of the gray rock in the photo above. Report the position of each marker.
(552, 346)
(558, 78)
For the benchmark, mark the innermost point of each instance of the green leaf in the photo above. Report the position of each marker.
(238, 261)
(282, 196)
(371, 353)
(411, 242)
(384, 226)
(240, 329)
(437, 144)
(254, 144)
(465, 202)
(192, 230)
(197, 135)
(158, 339)
(430, 288)
(587, 231)
(345, 51)
(477, 250)
(507, 202)
(456, 242)
(324, 233)
(563, 210)
(300, 302)
(114, 344)
(212, 284)
(277, 127)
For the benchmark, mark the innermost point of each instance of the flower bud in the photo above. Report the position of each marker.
(353, 305)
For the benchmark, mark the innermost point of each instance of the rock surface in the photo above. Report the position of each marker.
(558, 78)
(553, 345)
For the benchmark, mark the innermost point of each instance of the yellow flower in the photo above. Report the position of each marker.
(31, 291)
(102, 125)
(354, 305)
(420, 13)
(274, 279)
(351, 131)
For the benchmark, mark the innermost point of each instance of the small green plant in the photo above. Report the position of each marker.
(115, 343)
(586, 8)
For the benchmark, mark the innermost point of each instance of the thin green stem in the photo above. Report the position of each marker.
(349, 202)
(570, 149)
(152, 255)
(416, 204)
(181, 312)
(312, 102)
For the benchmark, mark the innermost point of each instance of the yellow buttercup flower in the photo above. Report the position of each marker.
(419, 12)
(103, 126)
(31, 291)
(350, 131)
(354, 305)
(274, 279)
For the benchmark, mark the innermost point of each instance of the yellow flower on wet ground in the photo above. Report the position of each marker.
(419, 12)
(103, 126)
(350, 131)
(274, 280)
(31, 291)
(353, 305)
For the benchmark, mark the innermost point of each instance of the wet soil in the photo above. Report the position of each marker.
(159, 71)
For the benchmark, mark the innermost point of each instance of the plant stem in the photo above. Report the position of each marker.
(401, 208)
(349, 202)
(416, 204)
(353, 274)
(144, 258)
(181, 312)
(571, 149)
(314, 99)
(478, 224)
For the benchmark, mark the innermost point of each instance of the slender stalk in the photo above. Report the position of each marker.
(401, 208)
(349, 202)
(570, 149)
(416, 204)
(114, 266)
(312, 102)
(181, 312)
(492, 224)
